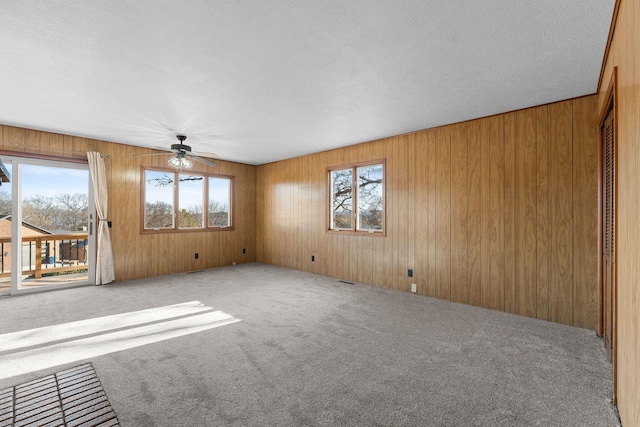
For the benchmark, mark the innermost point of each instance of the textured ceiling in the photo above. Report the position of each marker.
(257, 81)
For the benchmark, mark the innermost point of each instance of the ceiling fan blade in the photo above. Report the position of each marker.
(200, 154)
(204, 161)
(153, 154)
(208, 155)
(170, 150)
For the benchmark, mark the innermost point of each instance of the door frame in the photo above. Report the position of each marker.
(608, 105)
(16, 212)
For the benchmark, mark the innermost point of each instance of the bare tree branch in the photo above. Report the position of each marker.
(166, 180)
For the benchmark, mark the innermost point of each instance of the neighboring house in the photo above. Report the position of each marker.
(28, 230)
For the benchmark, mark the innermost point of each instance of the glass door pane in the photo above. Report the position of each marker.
(5, 233)
(55, 225)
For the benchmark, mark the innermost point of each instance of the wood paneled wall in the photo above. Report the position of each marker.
(499, 212)
(624, 54)
(137, 255)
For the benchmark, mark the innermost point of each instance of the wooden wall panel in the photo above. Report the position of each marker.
(486, 284)
(430, 245)
(624, 56)
(145, 255)
(483, 211)
(585, 226)
(496, 214)
(400, 211)
(35, 141)
(408, 201)
(525, 213)
(388, 243)
(443, 212)
(459, 202)
(475, 212)
(509, 295)
(542, 214)
(561, 212)
(421, 213)
(13, 138)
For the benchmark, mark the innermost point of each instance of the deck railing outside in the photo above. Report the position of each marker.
(47, 254)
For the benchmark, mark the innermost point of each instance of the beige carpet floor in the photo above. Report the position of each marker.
(258, 345)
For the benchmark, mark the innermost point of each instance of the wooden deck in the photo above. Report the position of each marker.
(66, 279)
(65, 253)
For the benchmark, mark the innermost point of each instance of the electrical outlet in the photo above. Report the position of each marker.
(244, 251)
(313, 258)
(414, 288)
(410, 272)
(197, 255)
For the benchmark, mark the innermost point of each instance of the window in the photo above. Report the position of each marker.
(357, 198)
(219, 200)
(185, 201)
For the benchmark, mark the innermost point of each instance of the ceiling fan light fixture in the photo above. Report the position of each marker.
(180, 162)
(182, 155)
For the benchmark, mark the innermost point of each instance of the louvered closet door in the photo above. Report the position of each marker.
(608, 233)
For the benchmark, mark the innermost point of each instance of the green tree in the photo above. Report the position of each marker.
(190, 218)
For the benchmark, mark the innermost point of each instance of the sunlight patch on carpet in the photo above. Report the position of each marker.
(43, 348)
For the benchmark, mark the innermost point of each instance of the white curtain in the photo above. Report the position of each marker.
(104, 262)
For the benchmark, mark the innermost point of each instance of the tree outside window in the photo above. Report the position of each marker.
(364, 184)
(342, 199)
(159, 198)
(179, 201)
(190, 195)
(219, 202)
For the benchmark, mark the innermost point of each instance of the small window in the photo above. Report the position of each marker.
(369, 192)
(364, 184)
(181, 201)
(341, 199)
(219, 202)
(158, 200)
(190, 195)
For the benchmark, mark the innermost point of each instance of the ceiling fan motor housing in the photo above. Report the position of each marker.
(180, 147)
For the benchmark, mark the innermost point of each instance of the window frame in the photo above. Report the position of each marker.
(354, 191)
(176, 201)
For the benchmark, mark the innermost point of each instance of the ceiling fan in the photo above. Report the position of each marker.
(182, 155)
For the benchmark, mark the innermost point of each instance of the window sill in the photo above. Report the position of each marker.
(186, 230)
(358, 233)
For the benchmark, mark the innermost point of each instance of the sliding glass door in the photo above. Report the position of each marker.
(6, 249)
(46, 230)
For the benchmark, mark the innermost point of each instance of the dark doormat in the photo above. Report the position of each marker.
(73, 397)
